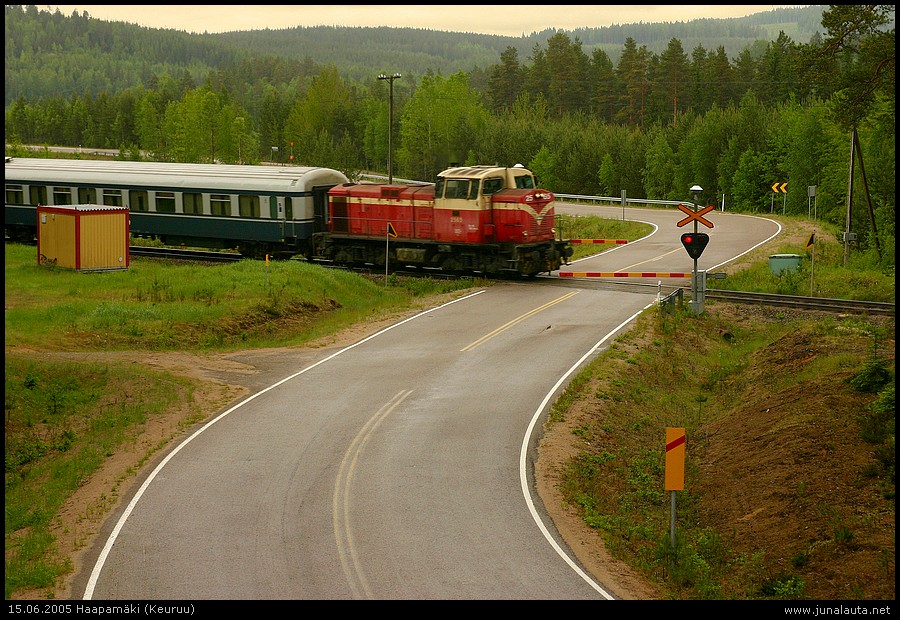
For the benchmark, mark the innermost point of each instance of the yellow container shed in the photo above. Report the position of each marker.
(83, 237)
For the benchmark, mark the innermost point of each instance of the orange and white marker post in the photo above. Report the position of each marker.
(676, 444)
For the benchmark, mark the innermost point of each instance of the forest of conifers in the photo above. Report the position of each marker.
(650, 123)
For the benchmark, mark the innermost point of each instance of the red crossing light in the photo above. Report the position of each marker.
(694, 243)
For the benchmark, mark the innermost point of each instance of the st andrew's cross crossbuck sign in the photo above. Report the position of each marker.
(696, 215)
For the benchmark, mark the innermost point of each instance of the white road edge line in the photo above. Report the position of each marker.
(523, 455)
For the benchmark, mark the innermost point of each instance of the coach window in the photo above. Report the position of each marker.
(62, 196)
(137, 200)
(220, 204)
(193, 203)
(112, 197)
(87, 196)
(15, 194)
(37, 195)
(249, 206)
(165, 202)
(288, 208)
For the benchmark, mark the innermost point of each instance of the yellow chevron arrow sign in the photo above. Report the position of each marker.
(780, 187)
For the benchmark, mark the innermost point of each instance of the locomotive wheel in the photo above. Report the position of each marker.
(451, 264)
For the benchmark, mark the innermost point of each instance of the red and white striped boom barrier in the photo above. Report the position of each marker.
(624, 274)
(588, 241)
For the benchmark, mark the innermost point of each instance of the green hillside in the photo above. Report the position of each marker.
(51, 53)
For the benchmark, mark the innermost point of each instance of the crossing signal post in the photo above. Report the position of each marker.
(695, 243)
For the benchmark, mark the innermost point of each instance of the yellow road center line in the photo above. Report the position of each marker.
(518, 319)
(340, 513)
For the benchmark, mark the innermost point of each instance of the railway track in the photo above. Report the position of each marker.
(179, 254)
(805, 303)
(769, 299)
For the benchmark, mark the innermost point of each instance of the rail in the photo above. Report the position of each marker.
(808, 303)
(180, 254)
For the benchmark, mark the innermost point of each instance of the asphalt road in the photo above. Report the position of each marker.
(399, 467)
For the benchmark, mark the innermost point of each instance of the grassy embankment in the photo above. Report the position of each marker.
(789, 417)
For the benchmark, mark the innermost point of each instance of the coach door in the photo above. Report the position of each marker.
(320, 208)
(280, 210)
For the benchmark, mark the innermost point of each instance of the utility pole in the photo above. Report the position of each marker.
(390, 79)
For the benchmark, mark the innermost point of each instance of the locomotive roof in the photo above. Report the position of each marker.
(169, 175)
(480, 172)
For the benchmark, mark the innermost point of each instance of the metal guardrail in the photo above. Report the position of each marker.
(673, 300)
(617, 201)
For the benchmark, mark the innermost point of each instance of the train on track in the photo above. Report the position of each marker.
(486, 219)
(256, 210)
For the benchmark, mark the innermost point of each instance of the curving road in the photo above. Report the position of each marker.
(399, 467)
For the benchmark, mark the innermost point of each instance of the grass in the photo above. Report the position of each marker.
(158, 306)
(62, 421)
(590, 227)
(822, 273)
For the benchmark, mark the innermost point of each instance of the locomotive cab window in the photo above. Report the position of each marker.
(457, 188)
(524, 182)
(492, 186)
(473, 190)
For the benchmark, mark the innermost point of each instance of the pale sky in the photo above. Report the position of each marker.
(509, 20)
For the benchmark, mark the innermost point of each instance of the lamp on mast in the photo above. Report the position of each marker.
(390, 79)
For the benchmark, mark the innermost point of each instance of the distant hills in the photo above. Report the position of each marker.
(358, 51)
(53, 54)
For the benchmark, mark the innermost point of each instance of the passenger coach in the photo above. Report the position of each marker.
(257, 210)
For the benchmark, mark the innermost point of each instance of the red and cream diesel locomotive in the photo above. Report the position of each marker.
(486, 219)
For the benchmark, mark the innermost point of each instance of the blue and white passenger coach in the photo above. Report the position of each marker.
(257, 210)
